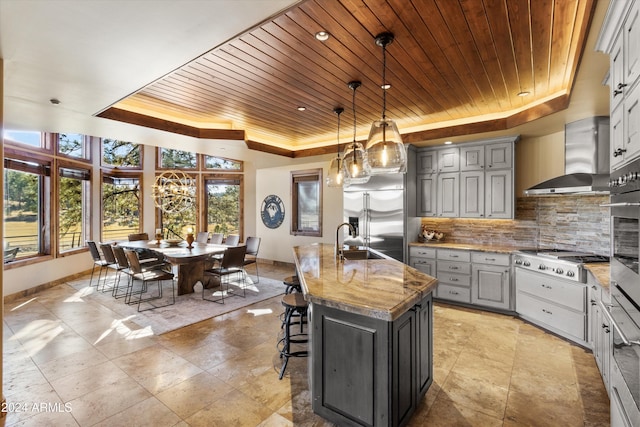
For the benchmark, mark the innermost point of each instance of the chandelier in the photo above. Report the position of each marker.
(174, 191)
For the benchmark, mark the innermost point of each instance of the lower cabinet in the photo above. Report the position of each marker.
(491, 280)
(600, 336)
(423, 259)
(367, 371)
(553, 304)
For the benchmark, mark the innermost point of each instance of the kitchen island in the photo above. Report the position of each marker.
(371, 336)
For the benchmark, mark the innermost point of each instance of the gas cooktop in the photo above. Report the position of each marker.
(566, 255)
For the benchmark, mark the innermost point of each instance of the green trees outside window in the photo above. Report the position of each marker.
(121, 154)
(223, 205)
(177, 159)
(73, 208)
(120, 206)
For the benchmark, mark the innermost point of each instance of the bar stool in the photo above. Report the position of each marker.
(293, 303)
(293, 284)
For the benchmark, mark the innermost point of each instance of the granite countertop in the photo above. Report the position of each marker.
(601, 272)
(470, 247)
(380, 288)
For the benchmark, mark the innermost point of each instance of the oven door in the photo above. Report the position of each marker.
(625, 242)
(625, 375)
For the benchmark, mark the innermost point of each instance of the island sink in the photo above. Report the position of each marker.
(355, 254)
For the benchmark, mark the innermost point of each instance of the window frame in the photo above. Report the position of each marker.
(86, 206)
(160, 167)
(307, 175)
(205, 198)
(109, 166)
(87, 141)
(121, 175)
(208, 169)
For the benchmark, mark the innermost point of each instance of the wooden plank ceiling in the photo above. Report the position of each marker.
(455, 67)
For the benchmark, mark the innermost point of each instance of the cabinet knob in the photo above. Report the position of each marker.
(619, 152)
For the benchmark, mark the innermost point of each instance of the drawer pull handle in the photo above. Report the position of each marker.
(451, 267)
(489, 259)
(546, 311)
(546, 286)
(453, 293)
(454, 256)
(593, 302)
(453, 279)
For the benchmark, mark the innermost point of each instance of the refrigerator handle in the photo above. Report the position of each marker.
(367, 217)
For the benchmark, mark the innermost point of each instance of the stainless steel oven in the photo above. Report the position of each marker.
(625, 229)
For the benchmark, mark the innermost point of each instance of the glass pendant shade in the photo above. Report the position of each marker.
(385, 151)
(355, 164)
(335, 178)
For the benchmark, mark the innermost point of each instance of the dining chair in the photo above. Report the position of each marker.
(111, 263)
(138, 236)
(231, 264)
(232, 240)
(97, 261)
(251, 256)
(145, 276)
(123, 264)
(202, 237)
(216, 238)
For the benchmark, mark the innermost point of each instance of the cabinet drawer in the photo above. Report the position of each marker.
(553, 315)
(454, 267)
(490, 258)
(568, 294)
(453, 255)
(421, 251)
(454, 293)
(454, 278)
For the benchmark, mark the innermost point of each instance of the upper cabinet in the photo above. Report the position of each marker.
(620, 38)
(472, 180)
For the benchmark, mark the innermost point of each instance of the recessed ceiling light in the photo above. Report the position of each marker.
(386, 86)
(302, 108)
(448, 142)
(322, 36)
(524, 93)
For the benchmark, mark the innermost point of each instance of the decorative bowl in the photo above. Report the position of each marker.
(173, 242)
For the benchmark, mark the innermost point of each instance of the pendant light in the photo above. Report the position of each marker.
(355, 164)
(385, 150)
(335, 177)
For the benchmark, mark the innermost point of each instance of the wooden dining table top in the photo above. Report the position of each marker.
(177, 254)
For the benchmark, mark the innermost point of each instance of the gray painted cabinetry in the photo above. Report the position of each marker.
(368, 371)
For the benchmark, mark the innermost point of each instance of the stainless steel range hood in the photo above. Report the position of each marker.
(586, 151)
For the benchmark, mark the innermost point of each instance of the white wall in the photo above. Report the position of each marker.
(277, 243)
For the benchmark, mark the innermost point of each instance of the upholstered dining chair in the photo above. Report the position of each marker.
(251, 257)
(111, 263)
(138, 236)
(231, 264)
(202, 237)
(216, 238)
(97, 261)
(145, 276)
(232, 240)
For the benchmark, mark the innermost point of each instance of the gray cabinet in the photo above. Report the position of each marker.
(600, 334)
(369, 371)
(427, 194)
(491, 280)
(473, 180)
(454, 275)
(423, 259)
(448, 190)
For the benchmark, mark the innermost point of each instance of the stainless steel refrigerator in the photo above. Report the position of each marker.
(377, 211)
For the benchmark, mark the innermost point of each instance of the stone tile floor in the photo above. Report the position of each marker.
(61, 369)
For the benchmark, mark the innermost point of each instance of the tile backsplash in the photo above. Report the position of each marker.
(576, 222)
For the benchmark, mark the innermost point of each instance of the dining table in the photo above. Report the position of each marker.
(190, 260)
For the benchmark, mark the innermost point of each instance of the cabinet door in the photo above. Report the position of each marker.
(617, 88)
(427, 195)
(424, 345)
(427, 162)
(490, 286)
(616, 158)
(449, 160)
(499, 156)
(632, 123)
(499, 194)
(632, 45)
(427, 266)
(404, 367)
(448, 195)
(472, 158)
(472, 194)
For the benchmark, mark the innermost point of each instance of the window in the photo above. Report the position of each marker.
(74, 189)
(306, 201)
(73, 145)
(175, 224)
(26, 205)
(121, 154)
(220, 163)
(31, 138)
(222, 204)
(120, 206)
(177, 159)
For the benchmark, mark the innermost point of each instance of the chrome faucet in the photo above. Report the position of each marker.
(353, 231)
